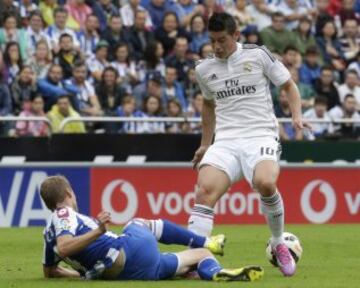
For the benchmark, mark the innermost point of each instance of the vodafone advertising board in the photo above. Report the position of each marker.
(316, 195)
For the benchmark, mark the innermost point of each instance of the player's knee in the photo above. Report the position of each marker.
(265, 186)
(205, 195)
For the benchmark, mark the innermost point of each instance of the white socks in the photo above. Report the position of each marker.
(273, 209)
(201, 220)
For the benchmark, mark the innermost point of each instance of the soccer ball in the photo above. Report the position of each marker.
(292, 242)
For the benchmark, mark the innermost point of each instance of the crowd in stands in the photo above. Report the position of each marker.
(137, 57)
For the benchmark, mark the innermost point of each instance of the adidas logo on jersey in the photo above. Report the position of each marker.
(213, 77)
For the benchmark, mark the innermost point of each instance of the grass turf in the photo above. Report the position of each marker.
(331, 259)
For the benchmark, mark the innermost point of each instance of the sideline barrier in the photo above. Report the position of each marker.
(320, 193)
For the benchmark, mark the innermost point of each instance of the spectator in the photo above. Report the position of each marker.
(157, 10)
(346, 111)
(319, 112)
(355, 65)
(152, 108)
(79, 11)
(206, 51)
(88, 101)
(128, 13)
(252, 35)
(187, 9)
(282, 110)
(240, 12)
(40, 62)
(10, 33)
(22, 88)
(174, 109)
(347, 11)
(12, 62)
(324, 86)
(109, 91)
(108, 9)
(47, 8)
(35, 108)
(152, 87)
(8, 7)
(199, 34)
(194, 111)
(261, 13)
(89, 36)
(322, 15)
(169, 31)
(310, 70)
(26, 7)
(173, 89)
(351, 86)
(139, 36)
(153, 61)
(61, 110)
(114, 34)
(330, 47)
(55, 31)
(97, 63)
(303, 37)
(67, 55)
(291, 57)
(125, 67)
(52, 87)
(5, 105)
(191, 85)
(179, 59)
(128, 109)
(35, 33)
(293, 12)
(350, 41)
(276, 37)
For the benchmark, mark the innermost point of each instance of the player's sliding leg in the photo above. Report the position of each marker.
(265, 177)
(209, 268)
(167, 232)
(212, 184)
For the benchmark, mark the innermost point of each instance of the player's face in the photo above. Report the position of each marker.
(223, 43)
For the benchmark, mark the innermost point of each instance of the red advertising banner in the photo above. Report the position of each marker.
(311, 195)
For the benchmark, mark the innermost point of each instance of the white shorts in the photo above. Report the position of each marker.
(238, 157)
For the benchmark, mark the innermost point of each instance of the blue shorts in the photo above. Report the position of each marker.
(144, 261)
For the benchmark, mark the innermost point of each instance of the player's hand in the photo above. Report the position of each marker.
(299, 124)
(199, 155)
(104, 219)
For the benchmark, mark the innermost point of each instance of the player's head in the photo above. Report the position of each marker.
(56, 191)
(223, 34)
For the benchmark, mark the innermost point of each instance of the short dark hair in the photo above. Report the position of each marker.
(290, 48)
(34, 96)
(78, 64)
(64, 96)
(322, 100)
(312, 50)
(222, 22)
(277, 14)
(60, 9)
(327, 68)
(65, 35)
(53, 190)
(347, 96)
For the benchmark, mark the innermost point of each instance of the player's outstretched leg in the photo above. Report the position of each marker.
(167, 232)
(209, 268)
(212, 184)
(265, 176)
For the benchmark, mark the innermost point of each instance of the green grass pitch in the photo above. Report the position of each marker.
(331, 259)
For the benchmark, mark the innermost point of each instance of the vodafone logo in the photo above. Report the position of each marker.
(120, 217)
(329, 194)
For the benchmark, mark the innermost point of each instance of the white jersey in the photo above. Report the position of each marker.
(240, 86)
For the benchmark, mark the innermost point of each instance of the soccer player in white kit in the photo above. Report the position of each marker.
(238, 109)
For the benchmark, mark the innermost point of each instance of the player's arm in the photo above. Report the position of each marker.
(68, 245)
(59, 272)
(208, 121)
(294, 97)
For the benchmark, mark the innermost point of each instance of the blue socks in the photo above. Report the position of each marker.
(207, 268)
(175, 234)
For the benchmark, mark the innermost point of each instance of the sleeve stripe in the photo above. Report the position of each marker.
(263, 48)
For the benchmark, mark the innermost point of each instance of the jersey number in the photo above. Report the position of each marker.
(267, 151)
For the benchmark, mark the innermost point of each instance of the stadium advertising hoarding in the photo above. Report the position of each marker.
(20, 202)
(317, 195)
(311, 195)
